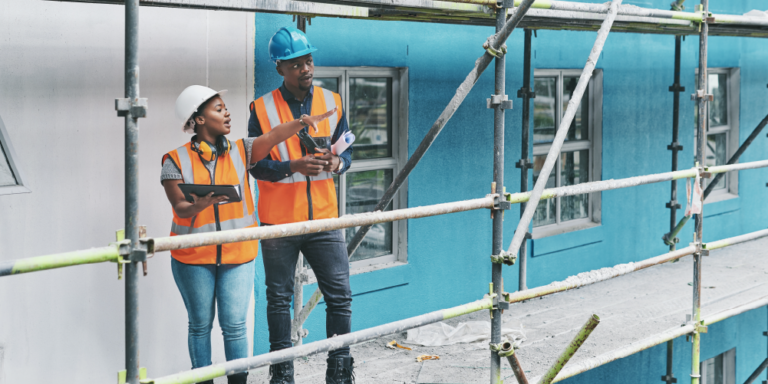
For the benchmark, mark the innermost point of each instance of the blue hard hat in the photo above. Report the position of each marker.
(289, 43)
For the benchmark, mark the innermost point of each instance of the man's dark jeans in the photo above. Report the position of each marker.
(326, 253)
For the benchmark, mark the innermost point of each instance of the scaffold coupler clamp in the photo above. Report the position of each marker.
(506, 258)
(135, 108)
(524, 164)
(501, 101)
(702, 94)
(497, 53)
(524, 92)
(300, 333)
(122, 376)
(506, 348)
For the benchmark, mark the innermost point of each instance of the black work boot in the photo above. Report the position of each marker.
(340, 370)
(238, 378)
(281, 373)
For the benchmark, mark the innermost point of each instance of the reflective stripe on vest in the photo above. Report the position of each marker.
(285, 200)
(231, 216)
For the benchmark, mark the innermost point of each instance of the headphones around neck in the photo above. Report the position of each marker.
(210, 152)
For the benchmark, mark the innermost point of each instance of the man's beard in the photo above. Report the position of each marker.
(303, 88)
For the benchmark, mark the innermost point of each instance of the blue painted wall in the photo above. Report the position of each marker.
(450, 266)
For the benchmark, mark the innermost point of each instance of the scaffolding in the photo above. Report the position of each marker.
(506, 16)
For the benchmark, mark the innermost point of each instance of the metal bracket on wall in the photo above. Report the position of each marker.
(498, 100)
(134, 107)
(676, 88)
(524, 164)
(526, 92)
(675, 146)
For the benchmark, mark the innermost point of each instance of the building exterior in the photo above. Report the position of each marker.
(61, 67)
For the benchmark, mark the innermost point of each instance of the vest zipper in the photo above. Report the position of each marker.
(309, 189)
(216, 210)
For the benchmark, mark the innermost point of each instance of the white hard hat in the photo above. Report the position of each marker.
(188, 102)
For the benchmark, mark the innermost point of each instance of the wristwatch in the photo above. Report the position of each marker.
(301, 120)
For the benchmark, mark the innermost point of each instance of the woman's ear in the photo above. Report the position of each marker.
(199, 120)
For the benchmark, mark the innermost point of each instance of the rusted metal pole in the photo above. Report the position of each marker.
(701, 143)
(526, 93)
(570, 350)
(562, 131)
(508, 350)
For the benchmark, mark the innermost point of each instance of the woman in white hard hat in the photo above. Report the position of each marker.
(220, 275)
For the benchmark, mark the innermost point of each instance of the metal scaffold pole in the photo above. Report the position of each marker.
(562, 130)
(701, 141)
(526, 93)
(132, 108)
(499, 103)
(675, 147)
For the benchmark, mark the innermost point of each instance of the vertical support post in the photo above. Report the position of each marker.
(669, 378)
(701, 142)
(132, 269)
(298, 301)
(526, 93)
(673, 205)
(498, 215)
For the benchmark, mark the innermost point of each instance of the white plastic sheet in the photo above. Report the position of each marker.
(439, 334)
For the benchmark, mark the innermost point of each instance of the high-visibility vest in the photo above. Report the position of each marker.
(297, 197)
(230, 169)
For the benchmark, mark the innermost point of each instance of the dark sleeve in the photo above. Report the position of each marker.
(266, 169)
(345, 156)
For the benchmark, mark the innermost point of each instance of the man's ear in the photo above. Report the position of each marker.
(279, 70)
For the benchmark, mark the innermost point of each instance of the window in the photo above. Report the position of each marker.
(10, 176)
(579, 159)
(720, 369)
(722, 127)
(376, 105)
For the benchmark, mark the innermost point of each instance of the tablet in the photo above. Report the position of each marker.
(231, 191)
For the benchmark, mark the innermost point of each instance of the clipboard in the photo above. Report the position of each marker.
(231, 191)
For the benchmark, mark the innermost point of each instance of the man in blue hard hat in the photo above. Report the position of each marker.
(296, 185)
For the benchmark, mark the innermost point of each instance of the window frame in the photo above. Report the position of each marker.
(731, 131)
(729, 367)
(399, 76)
(10, 155)
(593, 144)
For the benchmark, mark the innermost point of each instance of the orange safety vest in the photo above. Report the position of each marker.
(229, 169)
(297, 197)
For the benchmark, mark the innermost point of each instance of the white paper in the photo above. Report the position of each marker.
(343, 143)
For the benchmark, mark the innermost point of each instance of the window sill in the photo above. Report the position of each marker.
(715, 197)
(14, 189)
(555, 230)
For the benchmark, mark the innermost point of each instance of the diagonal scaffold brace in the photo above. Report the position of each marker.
(481, 64)
(562, 131)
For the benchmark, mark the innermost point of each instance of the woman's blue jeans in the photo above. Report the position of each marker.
(204, 287)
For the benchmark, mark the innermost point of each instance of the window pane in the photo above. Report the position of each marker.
(6, 175)
(370, 116)
(579, 127)
(545, 211)
(718, 108)
(364, 189)
(716, 154)
(329, 83)
(574, 169)
(544, 109)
